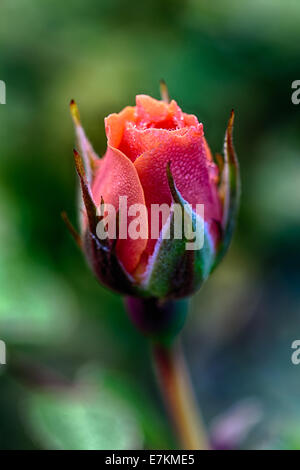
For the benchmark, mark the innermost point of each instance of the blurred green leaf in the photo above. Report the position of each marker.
(82, 420)
(36, 305)
(155, 428)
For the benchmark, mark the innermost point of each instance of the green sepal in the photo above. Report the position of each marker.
(173, 271)
(89, 155)
(100, 254)
(229, 190)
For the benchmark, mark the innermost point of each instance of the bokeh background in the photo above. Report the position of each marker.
(78, 375)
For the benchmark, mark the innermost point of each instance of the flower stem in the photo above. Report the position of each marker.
(176, 388)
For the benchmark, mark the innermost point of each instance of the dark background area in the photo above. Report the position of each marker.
(78, 375)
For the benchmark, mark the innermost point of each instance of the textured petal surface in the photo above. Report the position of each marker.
(153, 113)
(115, 123)
(193, 171)
(137, 130)
(150, 135)
(116, 176)
(136, 141)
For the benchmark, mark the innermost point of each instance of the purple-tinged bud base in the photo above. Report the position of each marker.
(160, 320)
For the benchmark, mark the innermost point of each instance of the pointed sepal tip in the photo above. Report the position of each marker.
(75, 112)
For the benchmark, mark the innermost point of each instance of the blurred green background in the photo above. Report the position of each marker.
(78, 375)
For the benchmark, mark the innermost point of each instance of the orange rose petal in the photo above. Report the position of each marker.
(190, 119)
(192, 171)
(114, 125)
(136, 141)
(116, 176)
(151, 109)
(156, 113)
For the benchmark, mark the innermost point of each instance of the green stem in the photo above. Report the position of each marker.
(179, 397)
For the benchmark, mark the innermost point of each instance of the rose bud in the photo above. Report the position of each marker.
(156, 154)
